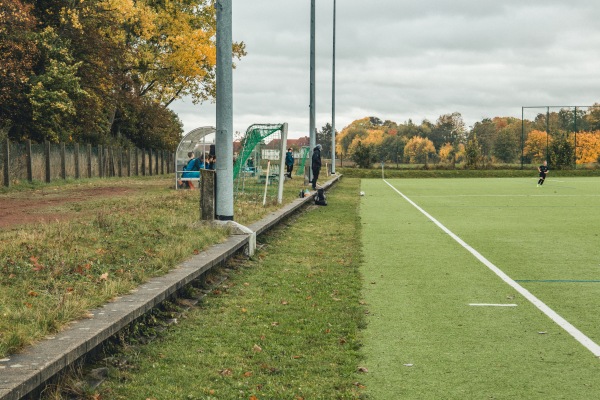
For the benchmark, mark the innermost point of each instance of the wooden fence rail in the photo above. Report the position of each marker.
(49, 161)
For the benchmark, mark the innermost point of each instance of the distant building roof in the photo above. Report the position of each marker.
(296, 144)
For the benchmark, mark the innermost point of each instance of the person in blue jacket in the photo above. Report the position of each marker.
(191, 170)
(289, 162)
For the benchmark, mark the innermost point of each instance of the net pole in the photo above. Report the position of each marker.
(284, 132)
(266, 182)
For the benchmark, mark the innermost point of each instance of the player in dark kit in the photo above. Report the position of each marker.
(543, 169)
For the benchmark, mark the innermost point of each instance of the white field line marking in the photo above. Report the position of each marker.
(491, 305)
(553, 315)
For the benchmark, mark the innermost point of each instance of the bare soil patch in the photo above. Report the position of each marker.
(40, 205)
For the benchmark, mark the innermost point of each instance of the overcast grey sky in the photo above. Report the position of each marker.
(401, 60)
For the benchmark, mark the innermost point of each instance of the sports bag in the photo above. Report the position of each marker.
(320, 198)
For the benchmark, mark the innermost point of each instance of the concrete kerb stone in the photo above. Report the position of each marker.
(22, 373)
(239, 229)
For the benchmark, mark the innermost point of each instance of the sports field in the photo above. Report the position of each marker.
(482, 288)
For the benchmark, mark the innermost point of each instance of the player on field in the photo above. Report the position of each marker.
(543, 170)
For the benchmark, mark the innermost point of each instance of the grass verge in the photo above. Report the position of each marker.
(284, 326)
(53, 273)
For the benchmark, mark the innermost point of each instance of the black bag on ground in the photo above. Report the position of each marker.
(320, 199)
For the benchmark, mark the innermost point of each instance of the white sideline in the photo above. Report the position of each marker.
(563, 323)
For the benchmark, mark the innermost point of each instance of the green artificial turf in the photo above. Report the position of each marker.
(424, 340)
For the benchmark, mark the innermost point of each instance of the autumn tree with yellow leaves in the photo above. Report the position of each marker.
(588, 147)
(106, 70)
(19, 53)
(419, 150)
(490, 141)
(536, 145)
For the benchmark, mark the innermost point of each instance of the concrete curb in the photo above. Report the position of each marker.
(22, 373)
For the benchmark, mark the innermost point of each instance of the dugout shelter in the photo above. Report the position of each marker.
(201, 141)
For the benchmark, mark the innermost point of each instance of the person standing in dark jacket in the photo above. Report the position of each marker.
(543, 170)
(289, 162)
(316, 165)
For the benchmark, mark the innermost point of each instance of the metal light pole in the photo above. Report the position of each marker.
(224, 134)
(333, 98)
(575, 132)
(522, 135)
(312, 134)
(547, 131)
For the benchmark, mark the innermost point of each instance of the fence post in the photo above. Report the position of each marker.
(6, 162)
(114, 160)
(111, 162)
(76, 159)
(120, 161)
(162, 162)
(29, 161)
(143, 162)
(63, 162)
(47, 156)
(207, 194)
(89, 160)
(100, 166)
(156, 162)
(128, 155)
(108, 162)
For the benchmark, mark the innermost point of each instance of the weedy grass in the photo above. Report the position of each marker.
(53, 273)
(425, 341)
(285, 325)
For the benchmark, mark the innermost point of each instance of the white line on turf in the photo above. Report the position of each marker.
(491, 305)
(553, 315)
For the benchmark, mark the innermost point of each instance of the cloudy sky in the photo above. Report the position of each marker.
(401, 60)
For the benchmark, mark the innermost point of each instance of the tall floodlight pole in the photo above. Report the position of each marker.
(224, 134)
(522, 135)
(312, 130)
(547, 132)
(333, 98)
(575, 132)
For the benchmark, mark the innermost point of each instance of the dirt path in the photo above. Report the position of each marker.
(39, 205)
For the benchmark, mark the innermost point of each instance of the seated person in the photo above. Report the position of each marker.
(191, 170)
(250, 166)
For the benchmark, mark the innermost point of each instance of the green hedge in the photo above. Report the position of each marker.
(461, 173)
